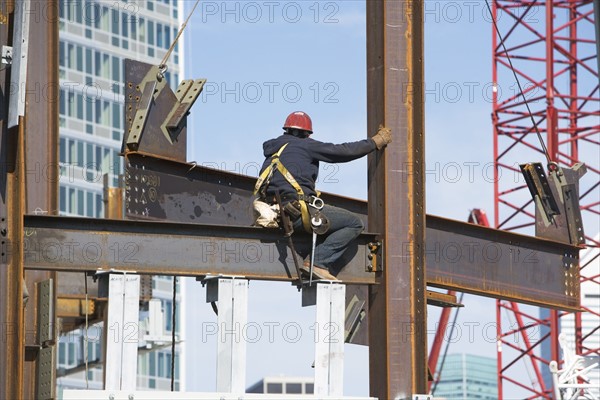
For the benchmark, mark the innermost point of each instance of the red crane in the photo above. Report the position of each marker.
(553, 49)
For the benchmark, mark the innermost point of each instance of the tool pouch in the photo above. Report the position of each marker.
(293, 209)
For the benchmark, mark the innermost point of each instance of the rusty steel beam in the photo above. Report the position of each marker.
(495, 263)
(84, 244)
(398, 323)
(460, 256)
(75, 307)
(159, 188)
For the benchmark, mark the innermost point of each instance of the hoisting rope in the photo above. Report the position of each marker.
(552, 165)
(163, 64)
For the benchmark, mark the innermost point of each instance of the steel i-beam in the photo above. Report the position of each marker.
(397, 311)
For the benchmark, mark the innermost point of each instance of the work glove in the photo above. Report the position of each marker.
(382, 137)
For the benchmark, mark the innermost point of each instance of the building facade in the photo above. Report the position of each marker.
(283, 385)
(467, 376)
(96, 36)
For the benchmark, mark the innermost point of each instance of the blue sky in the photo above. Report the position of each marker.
(264, 60)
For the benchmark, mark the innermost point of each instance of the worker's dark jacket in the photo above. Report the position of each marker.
(301, 157)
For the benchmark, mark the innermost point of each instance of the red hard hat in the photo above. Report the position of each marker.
(298, 120)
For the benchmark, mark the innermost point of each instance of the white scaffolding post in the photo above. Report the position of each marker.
(122, 331)
(231, 295)
(329, 297)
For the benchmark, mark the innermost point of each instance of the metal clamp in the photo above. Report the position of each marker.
(316, 202)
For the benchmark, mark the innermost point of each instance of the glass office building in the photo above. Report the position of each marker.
(95, 38)
(467, 376)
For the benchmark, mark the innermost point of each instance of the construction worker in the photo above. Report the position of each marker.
(296, 156)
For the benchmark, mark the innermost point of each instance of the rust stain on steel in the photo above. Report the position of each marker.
(81, 244)
(397, 307)
(41, 137)
(191, 189)
(12, 350)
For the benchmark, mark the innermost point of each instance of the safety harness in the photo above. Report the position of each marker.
(265, 177)
(313, 220)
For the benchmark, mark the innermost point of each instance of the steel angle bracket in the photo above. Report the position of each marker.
(187, 93)
(538, 185)
(155, 116)
(134, 136)
(556, 197)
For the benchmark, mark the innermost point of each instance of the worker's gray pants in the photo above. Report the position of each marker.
(345, 226)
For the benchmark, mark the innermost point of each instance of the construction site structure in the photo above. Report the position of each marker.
(386, 278)
(552, 46)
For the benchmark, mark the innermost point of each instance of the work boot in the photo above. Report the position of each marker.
(318, 272)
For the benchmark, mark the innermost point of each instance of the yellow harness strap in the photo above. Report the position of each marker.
(266, 175)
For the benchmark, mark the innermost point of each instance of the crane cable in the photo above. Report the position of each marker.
(163, 64)
(552, 165)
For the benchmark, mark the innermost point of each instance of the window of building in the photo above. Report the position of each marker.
(152, 363)
(159, 35)
(71, 56)
(88, 61)
(115, 21)
(105, 22)
(62, 351)
(294, 388)
(167, 36)
(79, 65)
(61, 54)
(150, 33)
(274, 388)
(125, 24)
(106, 66)
(79, 100)
(62, 199)
(142, 30)
(116, 69)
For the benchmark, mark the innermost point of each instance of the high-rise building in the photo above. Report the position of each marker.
(467, 376)
(96, 36)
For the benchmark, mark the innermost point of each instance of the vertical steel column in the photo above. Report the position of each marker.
(41, 160)
(397, 313)
(12, 191)
(232, 297)
(122, 332)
